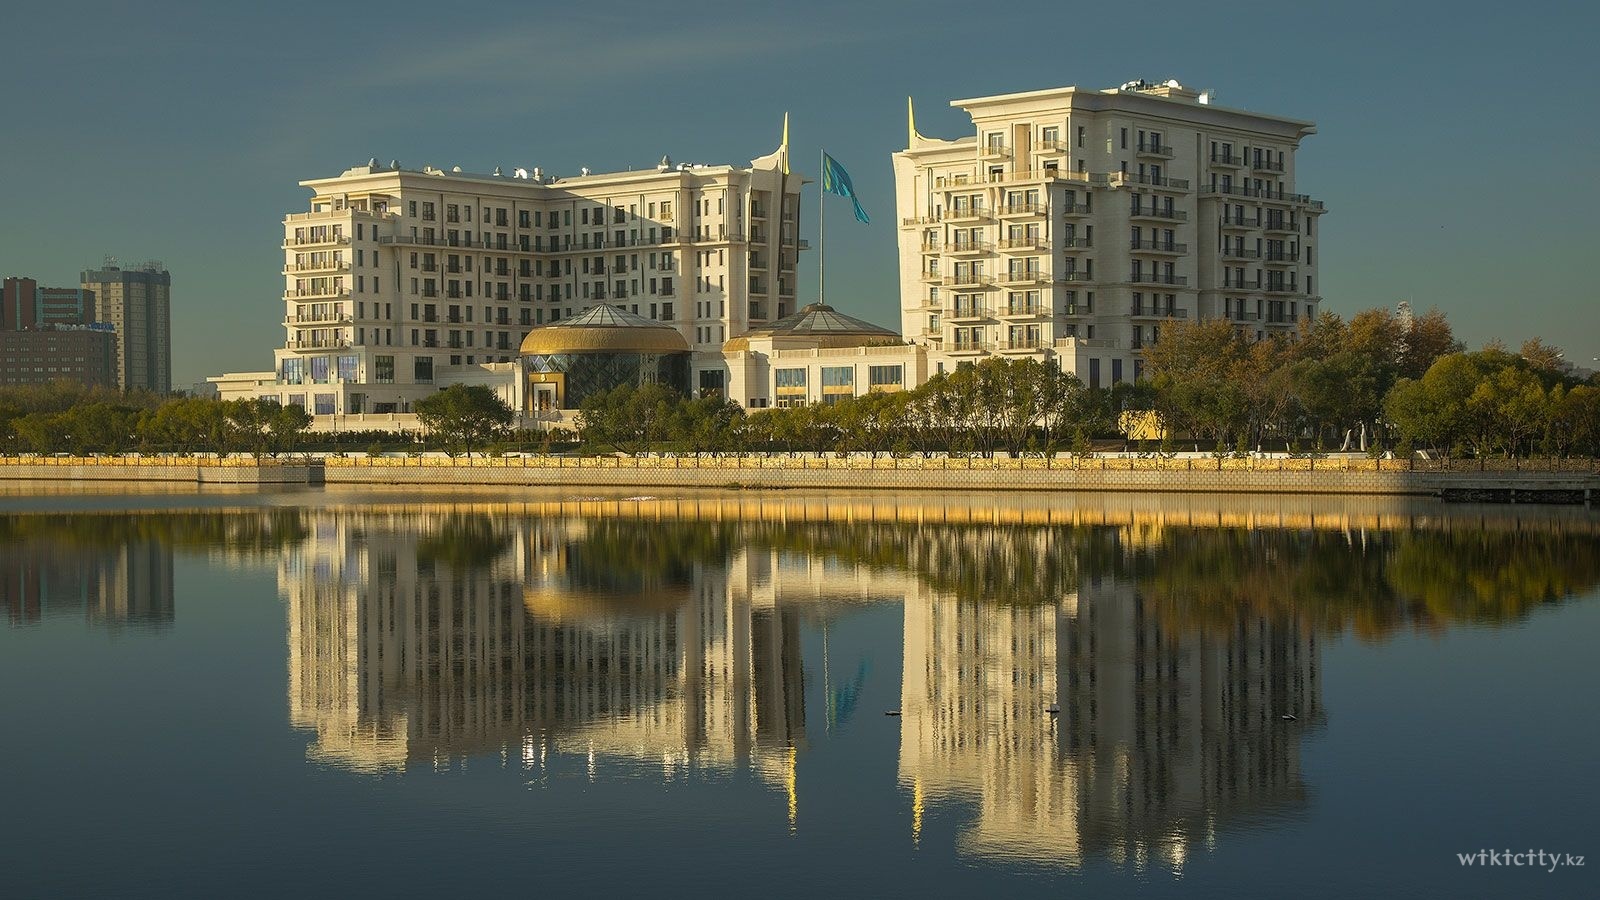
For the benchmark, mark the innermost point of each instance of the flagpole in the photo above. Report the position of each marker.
(822, 236)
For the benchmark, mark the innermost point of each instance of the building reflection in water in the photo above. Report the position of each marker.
(1087, 728)
(452, 636)
(1071, 693)
(117, 584)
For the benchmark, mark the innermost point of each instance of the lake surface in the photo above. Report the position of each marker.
(340, 693)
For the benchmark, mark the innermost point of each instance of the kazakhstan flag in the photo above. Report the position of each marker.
(835, 180)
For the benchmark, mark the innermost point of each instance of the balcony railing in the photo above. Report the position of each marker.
(318, 292)
(1158, 278)
(968, 311)
(970, 347)
(1232, 221)
(1023, 209)
(1149, 312)
(1028, 276)
(1263, 164)
(994, 151)
(1242, 284)
(1158, 247)
(1161, 181)
(1023, 244)
(1077, 310)
(1025, 309)
(1226, 159)
(318, 319)
(1074, 277)
(1284, 225)
(334, 266)
(1153, 212)
(318, 344)
(1240, 253)
(1284, 257)
(1074, 209)
(969, 281)
(1282, 287)
(968, 247)
(1154, 148)
(1022, 344)
(315, 241)
(961, 213)
(1261, 194)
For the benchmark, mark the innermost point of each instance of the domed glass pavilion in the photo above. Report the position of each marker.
(597, 350)
(816, 326)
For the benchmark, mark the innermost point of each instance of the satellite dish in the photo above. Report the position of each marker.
(666, 163)
(584, 170)
(394, 164)
(455, 168)
(373, 162)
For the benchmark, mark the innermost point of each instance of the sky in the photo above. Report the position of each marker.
(1456, 142)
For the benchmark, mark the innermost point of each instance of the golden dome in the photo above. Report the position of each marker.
(604, 329)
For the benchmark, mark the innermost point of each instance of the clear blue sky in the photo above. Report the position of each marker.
(1456, 153)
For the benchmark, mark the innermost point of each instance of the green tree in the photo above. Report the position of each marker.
(464, 416)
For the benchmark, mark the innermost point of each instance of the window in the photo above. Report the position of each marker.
(885, 377)
(789, 378)
(837, 377)
(423, 369)
(292, 371)
(323, 404)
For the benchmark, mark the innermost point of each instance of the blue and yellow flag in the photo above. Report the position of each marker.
(835, 180)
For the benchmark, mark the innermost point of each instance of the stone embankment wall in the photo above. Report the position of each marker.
(1567, 481)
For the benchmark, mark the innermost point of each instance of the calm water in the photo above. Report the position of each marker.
(339, 694)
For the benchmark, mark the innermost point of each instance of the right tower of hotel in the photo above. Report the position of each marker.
(1073, 224)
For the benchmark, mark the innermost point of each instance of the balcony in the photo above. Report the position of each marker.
(1025, 311)
(931, 276)
(1076, 244)
(1118, 179)
(968, 281)
(1152, 212)
(1026, 276)
(1241, 284)
(332, 293)
(964, 248)
(319, 319)
(1074, 209)
(315, 241)
(1285, 226)
(1156, 149)
(931, 247)
(1022, 345)
(1226, 159)
(333, 266)
(1011, 210)
(1043, 174)
(1282, 287)
(994, 151)
(1263, 164)
(969, 347)
(1158, 247)
(1074, 278)
(1158, 278)
(1026, 244)
(968, 312)
(1239, 223)
(1077, 310)
(1240, 253)
(318, 344)
(1150, 312)
(967, 214)
(1282, 258)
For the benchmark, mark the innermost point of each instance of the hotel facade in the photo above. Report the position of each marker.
(1071, 226)
(1075, 223)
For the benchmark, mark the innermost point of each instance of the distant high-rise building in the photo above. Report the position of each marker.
(45, 335)
(24, 304)
(138, 303)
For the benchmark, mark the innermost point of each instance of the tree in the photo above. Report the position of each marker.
(464, 416)
(1427, 341)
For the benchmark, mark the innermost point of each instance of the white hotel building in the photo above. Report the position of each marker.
(398, 282)
(1070, 226)
(1075, 223)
